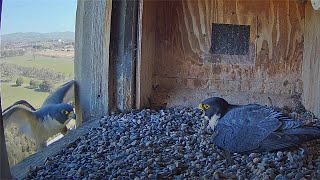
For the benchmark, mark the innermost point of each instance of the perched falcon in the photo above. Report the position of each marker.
(254, 128)
(42, 123)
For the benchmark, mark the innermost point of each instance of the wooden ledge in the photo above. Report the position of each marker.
(21, 169)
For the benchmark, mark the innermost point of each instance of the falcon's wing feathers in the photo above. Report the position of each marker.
(64, 94)
(289, 137)
(22, 117)
(22, 102)
(276, 141)
(247, 126)
(256, 128)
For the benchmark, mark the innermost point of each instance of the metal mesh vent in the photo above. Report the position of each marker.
(229, 39)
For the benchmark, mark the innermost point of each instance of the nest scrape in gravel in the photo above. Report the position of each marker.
(172, 144)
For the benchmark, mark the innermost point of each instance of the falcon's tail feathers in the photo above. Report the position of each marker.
(288, 138)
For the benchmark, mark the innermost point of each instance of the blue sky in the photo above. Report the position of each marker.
(38, 16)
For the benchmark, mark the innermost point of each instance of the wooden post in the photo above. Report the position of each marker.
(93, 22)
(311, 63)
(146, 52)
(123, 47)
(4, 163)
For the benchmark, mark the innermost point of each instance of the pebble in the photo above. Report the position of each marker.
(281, 177)
(298, 176)
(253, 155)
(280, 154)
(80, 171)
(256, 160)
(168, 144)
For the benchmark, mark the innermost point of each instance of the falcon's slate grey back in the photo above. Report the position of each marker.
(254, 128)
(47, 121)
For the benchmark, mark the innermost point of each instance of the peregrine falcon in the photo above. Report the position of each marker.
(50, 119)
(254, 128)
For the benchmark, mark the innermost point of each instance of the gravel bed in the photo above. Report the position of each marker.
(170, 144)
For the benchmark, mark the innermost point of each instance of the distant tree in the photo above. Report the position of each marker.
(19, 81)
(46, 86)
(36, 46)
(34, 83)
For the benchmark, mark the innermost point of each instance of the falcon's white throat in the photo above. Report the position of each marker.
(213, 121)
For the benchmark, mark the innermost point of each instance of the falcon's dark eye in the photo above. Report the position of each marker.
(64, 112)
(204, 106)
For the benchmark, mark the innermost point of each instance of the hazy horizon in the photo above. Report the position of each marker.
(38, 32)
(40, 16)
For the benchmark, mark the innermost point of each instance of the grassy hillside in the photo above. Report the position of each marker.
(35, 36)
(63, 65)
(12, 94)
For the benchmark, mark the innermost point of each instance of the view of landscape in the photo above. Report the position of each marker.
(32, 65)
(36, 59)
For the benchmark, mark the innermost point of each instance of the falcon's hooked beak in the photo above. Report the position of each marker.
(213, 119)
(201, 106)
(71, 114)
(204, 107)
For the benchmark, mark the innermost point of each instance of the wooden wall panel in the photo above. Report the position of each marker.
(146, 53)
(183, 40)
(123, 51)
(311, 61)
(92, 58)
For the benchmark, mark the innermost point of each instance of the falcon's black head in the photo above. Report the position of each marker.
(214, 106)
(60, 112)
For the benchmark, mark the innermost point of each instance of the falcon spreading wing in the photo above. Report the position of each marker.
(42, 123)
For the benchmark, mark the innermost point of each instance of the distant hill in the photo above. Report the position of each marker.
(34, 36)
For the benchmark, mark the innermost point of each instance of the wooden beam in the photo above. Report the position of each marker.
(311, 63)
(139, 53)
(93, 22)
(123, 47)
(146, 52)
(4, 163)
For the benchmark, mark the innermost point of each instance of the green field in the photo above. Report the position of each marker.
(64, 65)
(11, 94)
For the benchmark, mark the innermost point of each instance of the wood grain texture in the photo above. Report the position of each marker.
(123, 54)
(21, 169)
(311, 61)
(183, 40)
(139, 94)
(92, 58)
(146, 54)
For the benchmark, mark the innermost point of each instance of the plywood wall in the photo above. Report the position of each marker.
(311, 61)
(93, 26)
(146, 55)
(185, 71)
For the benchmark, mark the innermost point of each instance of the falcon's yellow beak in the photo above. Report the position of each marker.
(72, 115)
(201, 106)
